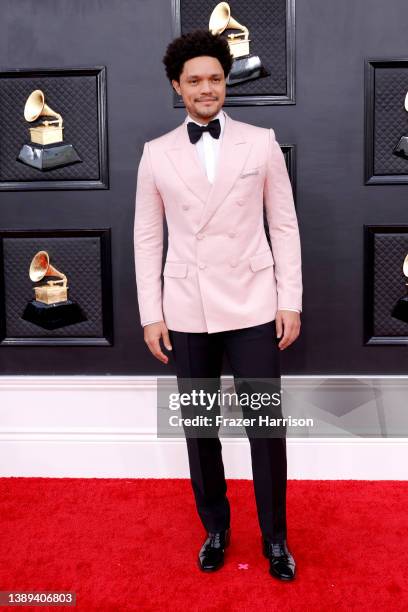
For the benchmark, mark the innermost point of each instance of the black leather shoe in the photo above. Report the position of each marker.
(281, 562)
(211, 555)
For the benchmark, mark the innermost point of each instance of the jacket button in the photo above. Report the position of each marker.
(200, 236)
(186, 206)
(240, 202)
(202, 266)
(232, 234)
(233, 263)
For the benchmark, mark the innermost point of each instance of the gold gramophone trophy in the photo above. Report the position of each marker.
(46, 150)
(51, 307)
(245, 67)
(401, 150)
(400, 310)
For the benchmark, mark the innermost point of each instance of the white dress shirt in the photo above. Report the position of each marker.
(208, 149)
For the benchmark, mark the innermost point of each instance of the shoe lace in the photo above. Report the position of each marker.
(278, 550)
(214, 540)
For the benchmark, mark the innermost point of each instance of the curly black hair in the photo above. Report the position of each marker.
(193, 44)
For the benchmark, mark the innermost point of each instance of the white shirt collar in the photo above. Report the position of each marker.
(220, 115)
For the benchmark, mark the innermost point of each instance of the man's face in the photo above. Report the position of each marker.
(202, 87)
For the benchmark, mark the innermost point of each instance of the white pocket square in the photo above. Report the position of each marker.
(249, 172)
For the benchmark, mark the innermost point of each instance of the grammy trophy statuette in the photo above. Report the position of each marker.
(245, 67)
(401, 150)
(46, 150)
(51, 308)
(400, 310)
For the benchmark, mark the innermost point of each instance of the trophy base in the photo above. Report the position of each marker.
(51, 294)
(48, 157)
(401, 150)
(53, 316)
(400, 310)
(246, 69)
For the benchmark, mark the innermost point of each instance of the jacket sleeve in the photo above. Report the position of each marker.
(148, 242)
(283, 228)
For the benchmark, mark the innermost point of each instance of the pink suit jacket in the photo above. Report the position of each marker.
(220, 273)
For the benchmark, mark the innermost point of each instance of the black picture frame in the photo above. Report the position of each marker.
(98, 152)
(380, 104)
(254, 100)
(289, 153)
(106, 337)
(371, 337)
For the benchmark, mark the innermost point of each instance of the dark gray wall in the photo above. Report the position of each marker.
(326, 124)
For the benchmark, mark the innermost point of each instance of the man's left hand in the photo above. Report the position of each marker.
(288, 323)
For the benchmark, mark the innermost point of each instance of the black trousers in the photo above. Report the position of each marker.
(252, 353)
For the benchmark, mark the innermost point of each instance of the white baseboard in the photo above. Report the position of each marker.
(105, 427)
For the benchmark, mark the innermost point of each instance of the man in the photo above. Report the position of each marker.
(224, 290)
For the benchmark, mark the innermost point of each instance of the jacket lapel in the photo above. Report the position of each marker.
(233, 153)
(184, 158)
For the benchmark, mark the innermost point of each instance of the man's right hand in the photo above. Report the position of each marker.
(152, 334)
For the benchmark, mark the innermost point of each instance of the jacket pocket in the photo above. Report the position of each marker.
(262, 260)
(250, 172)
(175, 269)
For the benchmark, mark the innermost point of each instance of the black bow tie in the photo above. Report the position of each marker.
(195, 130)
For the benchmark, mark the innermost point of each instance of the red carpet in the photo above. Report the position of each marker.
(132, 545)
